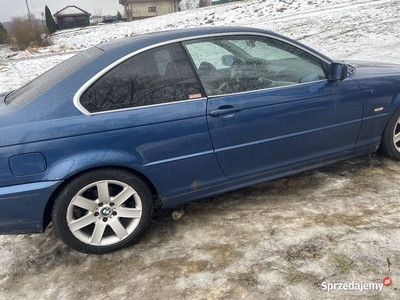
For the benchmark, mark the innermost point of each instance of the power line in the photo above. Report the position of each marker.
(27, 7)
(34, 8)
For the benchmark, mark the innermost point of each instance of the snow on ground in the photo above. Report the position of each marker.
(349, 29)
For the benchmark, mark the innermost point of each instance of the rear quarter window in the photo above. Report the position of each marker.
(157, 76)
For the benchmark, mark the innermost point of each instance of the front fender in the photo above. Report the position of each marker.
(379, 105)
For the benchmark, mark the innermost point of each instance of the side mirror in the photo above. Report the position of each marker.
(337, 71)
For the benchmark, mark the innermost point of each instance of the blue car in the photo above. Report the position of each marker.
(177, 116)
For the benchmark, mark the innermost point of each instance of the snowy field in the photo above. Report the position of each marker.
(277, 240)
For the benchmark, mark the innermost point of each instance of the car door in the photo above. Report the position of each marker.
(270, 106)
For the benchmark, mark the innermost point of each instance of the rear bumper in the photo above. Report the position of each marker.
(22, 206)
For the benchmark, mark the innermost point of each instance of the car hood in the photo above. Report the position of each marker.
(371, 68)
(374, 74)
(373, 64)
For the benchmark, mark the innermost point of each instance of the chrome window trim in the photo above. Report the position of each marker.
(144, 106)
(268, 89)
(83, 88)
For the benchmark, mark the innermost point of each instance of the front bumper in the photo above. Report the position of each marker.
(22, 206)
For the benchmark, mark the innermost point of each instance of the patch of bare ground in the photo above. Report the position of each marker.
(276, 240)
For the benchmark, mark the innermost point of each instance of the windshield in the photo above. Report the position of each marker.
(39, 85)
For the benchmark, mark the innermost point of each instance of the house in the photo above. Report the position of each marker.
(71, 17)
(141, 9)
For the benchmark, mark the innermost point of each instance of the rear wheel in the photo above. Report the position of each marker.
(391, 137)
(102, 211)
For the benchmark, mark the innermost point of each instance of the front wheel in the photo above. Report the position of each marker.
(102, 211)
(391, 137)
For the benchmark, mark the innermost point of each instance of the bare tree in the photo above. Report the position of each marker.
(98, 12)
(128, 12)
(189, 4)
(27, 32)
(157, 6)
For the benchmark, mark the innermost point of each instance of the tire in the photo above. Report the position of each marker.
(390, 145)
(102, 211)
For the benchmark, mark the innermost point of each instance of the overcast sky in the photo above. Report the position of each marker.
(12, 8)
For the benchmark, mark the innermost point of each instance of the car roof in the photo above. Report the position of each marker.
(152, 38)
(125, 46)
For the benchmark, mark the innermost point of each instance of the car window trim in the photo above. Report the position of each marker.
(85, 86)
(268, 89)
(145, 106)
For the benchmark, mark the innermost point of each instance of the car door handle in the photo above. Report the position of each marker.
(228, 110)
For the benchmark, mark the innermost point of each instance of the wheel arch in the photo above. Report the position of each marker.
(393, 109)
(395, 104)
(50, 202)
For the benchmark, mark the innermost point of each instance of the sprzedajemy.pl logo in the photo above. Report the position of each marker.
(356, 286)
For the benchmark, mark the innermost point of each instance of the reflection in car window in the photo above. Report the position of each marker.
(207, 51)
(39, 85)
(157, 76)
(247, 63)
(162, 59)
(263, 50)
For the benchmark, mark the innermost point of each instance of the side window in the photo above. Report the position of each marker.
(238, 64)
(157, 76)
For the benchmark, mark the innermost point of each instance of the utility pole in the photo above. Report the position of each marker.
(27, 6)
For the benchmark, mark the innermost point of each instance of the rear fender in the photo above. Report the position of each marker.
(68, 167)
